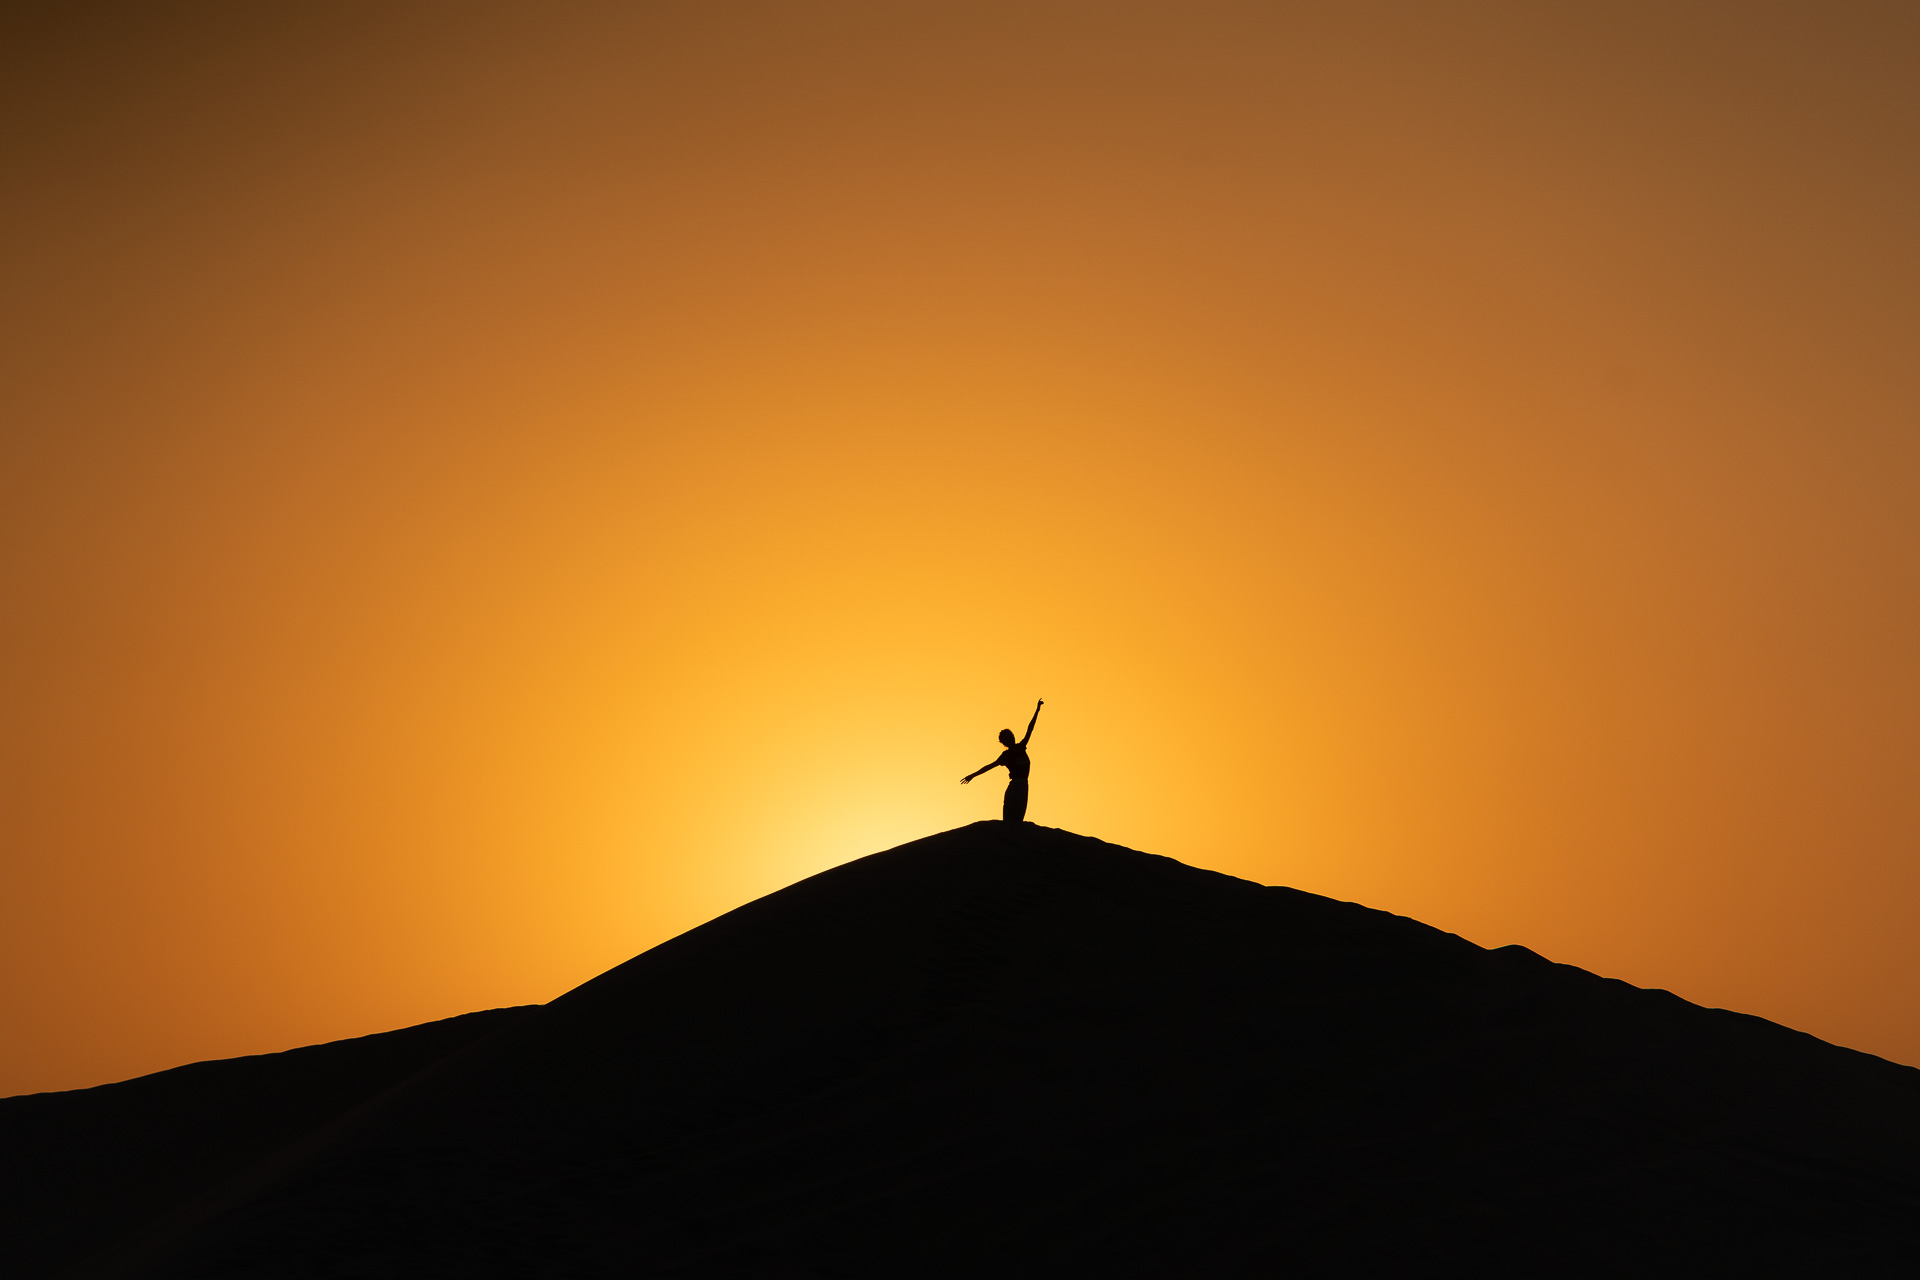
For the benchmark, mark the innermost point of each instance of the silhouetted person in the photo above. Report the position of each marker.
(1014, 807)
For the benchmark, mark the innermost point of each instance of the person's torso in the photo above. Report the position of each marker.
(1018, 765)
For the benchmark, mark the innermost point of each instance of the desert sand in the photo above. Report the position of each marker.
(1006, 1051)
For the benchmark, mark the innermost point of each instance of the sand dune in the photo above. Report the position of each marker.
(1037, 1054)
(80, 1169)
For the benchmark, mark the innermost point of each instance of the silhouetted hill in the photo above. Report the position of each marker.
(80, 1169)
(1038, 1054)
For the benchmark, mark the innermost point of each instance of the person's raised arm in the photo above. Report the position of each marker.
(1036, 717)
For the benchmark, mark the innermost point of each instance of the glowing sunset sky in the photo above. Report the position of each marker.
(488, 488)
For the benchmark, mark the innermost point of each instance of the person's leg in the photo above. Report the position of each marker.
(1014, 807)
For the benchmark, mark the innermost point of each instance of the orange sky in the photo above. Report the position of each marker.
(487, 488)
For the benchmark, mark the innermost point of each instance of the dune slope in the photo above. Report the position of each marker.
(1035, 1053)
(83, 1168)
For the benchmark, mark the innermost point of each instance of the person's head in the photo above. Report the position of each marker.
(1006, 737)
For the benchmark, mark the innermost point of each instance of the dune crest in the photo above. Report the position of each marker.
(1015, 1050)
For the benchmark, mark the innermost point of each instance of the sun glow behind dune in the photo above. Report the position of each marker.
(492, 491)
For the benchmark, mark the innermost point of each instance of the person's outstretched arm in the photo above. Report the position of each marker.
(1036, 717)
(982, 769)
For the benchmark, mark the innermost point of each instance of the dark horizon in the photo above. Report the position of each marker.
(1006, 1049)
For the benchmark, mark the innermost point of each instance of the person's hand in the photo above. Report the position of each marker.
(964, 781)
(1041, 703)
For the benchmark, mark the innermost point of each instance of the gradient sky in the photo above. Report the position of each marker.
(487, 488)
